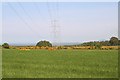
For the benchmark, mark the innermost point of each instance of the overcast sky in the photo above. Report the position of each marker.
(25, 23)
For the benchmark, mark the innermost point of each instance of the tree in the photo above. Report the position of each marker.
(44, 43)
(114, 41)
(98, 45)
(5, 45)
(119, 42)
(105, 43)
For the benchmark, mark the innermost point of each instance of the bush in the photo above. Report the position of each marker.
(44, 43)
(114, 41)
(5, 45)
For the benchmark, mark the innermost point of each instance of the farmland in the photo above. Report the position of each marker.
(60, 63)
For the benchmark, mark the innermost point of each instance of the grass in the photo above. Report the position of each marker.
(60, 64)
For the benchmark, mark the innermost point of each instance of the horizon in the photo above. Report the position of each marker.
(29, 22)
(54, 44)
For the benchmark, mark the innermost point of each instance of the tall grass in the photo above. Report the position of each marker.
(60, 64)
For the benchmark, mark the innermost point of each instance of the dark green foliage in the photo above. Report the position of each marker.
(105, 43)
(89, 44)
(44, 43)
(113, 41)
(119, 42)
(98, 45)
(5, 45)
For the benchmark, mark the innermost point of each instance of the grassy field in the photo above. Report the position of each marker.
(60, 64)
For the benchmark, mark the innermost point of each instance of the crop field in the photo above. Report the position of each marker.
(60, 63)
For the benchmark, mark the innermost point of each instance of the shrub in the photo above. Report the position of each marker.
(5, 45)
(44, 43)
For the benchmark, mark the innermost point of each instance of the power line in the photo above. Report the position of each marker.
(24, 10)
(38, 10)
(58, 8)
(49, 10)
(21, 18)
(27, 14)
(54, 20)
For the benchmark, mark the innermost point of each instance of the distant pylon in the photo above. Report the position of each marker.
(56, 32)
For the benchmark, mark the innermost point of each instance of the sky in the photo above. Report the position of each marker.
(30, 22)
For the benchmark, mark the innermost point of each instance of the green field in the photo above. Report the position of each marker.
(60, 64)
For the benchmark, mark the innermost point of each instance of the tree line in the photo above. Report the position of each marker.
(114, 41)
